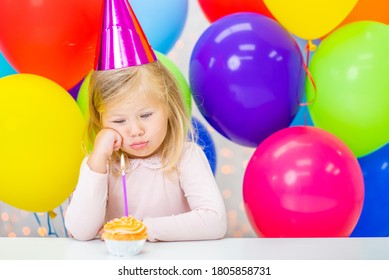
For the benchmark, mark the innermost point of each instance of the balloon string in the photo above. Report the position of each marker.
(37, 219)
(308, 48)
(308, 51)
(54, 231)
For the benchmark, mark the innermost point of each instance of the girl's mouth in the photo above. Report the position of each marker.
(139, 145)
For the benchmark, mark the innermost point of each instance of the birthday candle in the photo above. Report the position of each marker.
(123, 168)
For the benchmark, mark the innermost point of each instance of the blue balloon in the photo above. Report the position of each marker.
(247, 77)
(161, 20)
(302, 117)
(374, 219)
(204, 140)
(5, 68)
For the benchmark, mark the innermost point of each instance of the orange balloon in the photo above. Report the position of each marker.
(374, 10)
(55, 39)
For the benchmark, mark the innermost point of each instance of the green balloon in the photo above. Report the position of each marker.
(182, 83)
(82, 97)
(350, 69)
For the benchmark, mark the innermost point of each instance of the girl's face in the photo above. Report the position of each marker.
(142, 122)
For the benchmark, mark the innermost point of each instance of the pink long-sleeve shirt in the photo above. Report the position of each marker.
(184, 206)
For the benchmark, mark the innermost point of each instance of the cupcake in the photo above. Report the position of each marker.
(124, 236)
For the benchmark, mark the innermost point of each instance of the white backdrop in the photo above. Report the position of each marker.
(231, 160)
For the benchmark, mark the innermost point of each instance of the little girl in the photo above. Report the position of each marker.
(138, 111)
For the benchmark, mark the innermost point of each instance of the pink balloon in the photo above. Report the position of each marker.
(303, 182)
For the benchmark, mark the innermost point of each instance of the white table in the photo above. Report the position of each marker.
(25, 248)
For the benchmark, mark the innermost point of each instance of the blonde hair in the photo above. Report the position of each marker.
(153, 78)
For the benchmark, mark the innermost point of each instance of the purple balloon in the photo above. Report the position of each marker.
(247, 77)
(74, 90)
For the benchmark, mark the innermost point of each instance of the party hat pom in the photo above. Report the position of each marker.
(122, 41)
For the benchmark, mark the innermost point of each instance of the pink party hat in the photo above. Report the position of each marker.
(122, 41)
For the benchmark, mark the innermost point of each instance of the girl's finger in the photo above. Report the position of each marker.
(117, 144)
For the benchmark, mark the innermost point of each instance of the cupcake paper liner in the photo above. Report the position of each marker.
(124, 248)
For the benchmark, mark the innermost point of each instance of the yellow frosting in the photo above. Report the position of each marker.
(125, 228)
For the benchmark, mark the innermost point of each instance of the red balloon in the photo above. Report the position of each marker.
(215, 9)
(303, 182)
(55, 39)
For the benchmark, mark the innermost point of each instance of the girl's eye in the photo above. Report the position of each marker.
(119, 121)
(144, 116)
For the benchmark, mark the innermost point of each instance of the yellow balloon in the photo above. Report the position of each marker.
(310, 19)
(40, 145)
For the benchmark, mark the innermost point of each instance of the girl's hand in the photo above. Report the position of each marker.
(107, 141)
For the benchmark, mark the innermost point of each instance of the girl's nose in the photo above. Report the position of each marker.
(135, 131)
